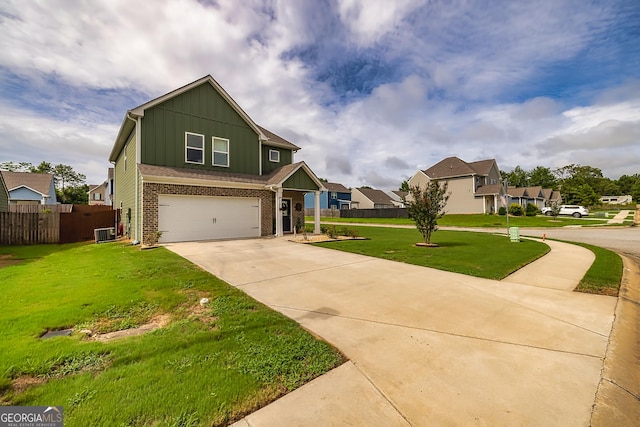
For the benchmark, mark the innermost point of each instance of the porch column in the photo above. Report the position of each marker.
(278, 213)
(316, 212)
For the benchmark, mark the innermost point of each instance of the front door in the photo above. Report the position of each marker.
(286, 215)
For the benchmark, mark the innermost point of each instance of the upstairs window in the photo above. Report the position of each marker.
(274, 156)
(220, 152)
(194, 148)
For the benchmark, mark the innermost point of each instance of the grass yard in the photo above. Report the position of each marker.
(472, 220)
(475, 254)
(604, 275)
(208, 366)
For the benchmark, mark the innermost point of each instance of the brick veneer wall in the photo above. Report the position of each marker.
(151, 191)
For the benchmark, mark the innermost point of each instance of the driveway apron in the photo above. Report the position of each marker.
(426, 347)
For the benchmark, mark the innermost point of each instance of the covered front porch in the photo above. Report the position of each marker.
(289, 184)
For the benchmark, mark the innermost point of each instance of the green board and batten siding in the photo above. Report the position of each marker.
(286, 158)
(300, 181)
(125, 185)
(4, 197)
(204, 111)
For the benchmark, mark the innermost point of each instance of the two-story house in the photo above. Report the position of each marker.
(336, 196)
(101, 194)
(192, 165)
(474, 187)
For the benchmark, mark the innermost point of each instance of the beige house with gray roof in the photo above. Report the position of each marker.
(474, 187)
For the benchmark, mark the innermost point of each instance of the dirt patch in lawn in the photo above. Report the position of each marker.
(9, 260)
(196, 307)
(22, 383)
(157, 322)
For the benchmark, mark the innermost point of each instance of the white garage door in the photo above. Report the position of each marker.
(187, 218)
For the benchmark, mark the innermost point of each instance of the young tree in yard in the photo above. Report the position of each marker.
(426, 206)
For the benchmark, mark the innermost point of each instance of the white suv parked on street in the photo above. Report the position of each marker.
(573, 210)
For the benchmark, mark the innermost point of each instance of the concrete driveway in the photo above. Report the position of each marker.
(426, 347)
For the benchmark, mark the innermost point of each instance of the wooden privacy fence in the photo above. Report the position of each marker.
(29, 228)
(18, 228)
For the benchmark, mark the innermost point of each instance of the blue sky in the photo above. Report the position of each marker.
(372, 90)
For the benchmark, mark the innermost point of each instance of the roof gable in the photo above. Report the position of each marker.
(453, 167)
(336, 187)
(128, 123)
(376, 196)
(38, 182)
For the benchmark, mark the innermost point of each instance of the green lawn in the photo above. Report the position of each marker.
(604, 275)
(476, 254)
(484, 221)
(207, 367)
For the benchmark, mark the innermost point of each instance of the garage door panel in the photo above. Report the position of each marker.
(188, 218)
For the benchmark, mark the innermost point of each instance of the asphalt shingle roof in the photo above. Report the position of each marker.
(376, 196)
(453, 167)
(40, 182)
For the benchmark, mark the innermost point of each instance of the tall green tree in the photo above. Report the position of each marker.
(517, 177)
(627, 182)
(65, 176)
(404, 186)
(426, 206)
(543, 177)
(43, 167)
(76, 195)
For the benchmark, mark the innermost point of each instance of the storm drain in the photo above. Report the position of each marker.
(60, 333)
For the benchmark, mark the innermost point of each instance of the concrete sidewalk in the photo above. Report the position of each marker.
(620, 217)
(426, 347)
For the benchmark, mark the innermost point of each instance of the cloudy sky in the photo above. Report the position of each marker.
(372, 90)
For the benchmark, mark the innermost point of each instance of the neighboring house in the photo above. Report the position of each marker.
(192, 165)
(398, 197)
(102, 194)
(26, 188)
(473, 187)
(535, 197)
(551, 197)
(96, 194)
(4, 196)
(616, 200)
(336, 196)
(517, 195)
(369, 198)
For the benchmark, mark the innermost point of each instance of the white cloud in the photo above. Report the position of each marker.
(450, 67)
(28, 137)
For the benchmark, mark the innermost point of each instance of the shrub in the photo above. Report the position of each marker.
(532, 210)
(515, 209)
(502, 210)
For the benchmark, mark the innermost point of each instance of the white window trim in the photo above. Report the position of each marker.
(213, 152)
(186, 135)
(271, 152)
